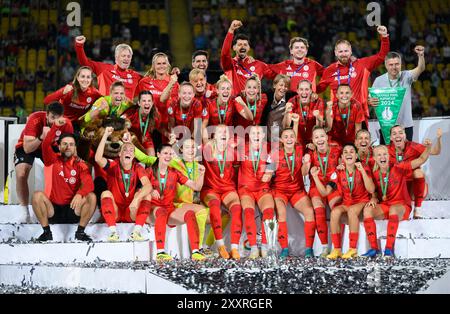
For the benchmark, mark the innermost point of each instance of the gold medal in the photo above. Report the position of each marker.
(127, 194)
(221, 175)
(384, 198)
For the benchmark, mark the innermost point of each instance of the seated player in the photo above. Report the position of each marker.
(395, 205)
(288, 187)
(122, 201)
(29, 147)
(164, 180)
(346, 116)
(71, 199)
(220, 187)
(355, 184)
(326, 157)
(254, 187)
(400, 150)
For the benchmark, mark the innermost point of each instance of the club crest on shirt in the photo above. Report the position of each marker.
(72, 180)
(333, 176)
(88, 100)
(73, 172)
(306, 67)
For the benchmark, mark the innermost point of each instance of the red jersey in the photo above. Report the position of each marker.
(344, 122)
(222, 114)
(169, 192)
(308, 70)
(327, 163)
(337, 73)
(73, 109)
(142, 129)
(285, 178)
(397, 189)
(69, 177)
(248, 178)
(238, 71)
(307, 120)
(203, 99)
(212, 163)
(108, 73)
(184, 116)
(35, 125)
(411, 151)
(358, 193)
(256, 109)
(117, 177)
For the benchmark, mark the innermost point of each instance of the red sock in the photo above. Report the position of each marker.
(250, 225)
(160, 227)
(108, 211)
(419, 191)
(336, 239)
(236, 223)
(353, 239)
(310, 232)
(268, 213)
(321, 224)
(215, 218)
(283, 234)
(192, 229)
(371, 231)
(391, 231)
(263, 233)
(143, 212)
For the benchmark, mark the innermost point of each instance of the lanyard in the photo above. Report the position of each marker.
(345, 116)
(185, 115)
(252, 108)
(384, 183)
(350, 69)
(325, 161)
(350, 181)
(190, 171)
(298, 69)
(220, 163)
(113, 111)
(162, 182)
(244, 68)
(144, 132)
(398, 157)
(304, 114)
(126, 179)
(397, 82)
(367, 158)
(219, 112)
(256, 153)
(292, 167)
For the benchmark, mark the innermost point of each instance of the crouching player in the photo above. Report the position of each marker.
(355, 183)
(121, 202)
(71, 198)
(395, 205)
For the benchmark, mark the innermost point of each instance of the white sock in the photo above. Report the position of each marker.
(235, 246)
(137, 228)
(112, 229)
(160, 251)
(194, 251)
(220, 242)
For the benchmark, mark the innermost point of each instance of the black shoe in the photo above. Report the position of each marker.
(82, 236)
(45, 236)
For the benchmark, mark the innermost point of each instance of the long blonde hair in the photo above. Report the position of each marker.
(152, 71)
(255, 78)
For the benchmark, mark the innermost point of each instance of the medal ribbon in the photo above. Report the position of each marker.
(384, 183)
(221, 164)
(292, 167)
(322, 167)
(126, 179)
(221, 119)
(350, 181)
(144, 132)
(162, 183)
(298, 69)
(348, 117)
(190, 171)
(256, 164)
(366, 162)
(398, 157)
(349, 75)
(254, 108)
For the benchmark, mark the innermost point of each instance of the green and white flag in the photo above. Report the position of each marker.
(390, 101)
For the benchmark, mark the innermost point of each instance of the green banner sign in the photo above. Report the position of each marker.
(390, 101)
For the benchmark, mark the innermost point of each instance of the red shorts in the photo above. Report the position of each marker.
(354, 202)
(385, 208)
(255, 195)
(123, 213)
(289, 196)
(313, 192)
(219, 194)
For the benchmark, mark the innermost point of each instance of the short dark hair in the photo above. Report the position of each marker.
(200, 53)
(349, 144)
(116, 84)
(145, 92)
(56, 108)
(64, 135)
(240, 37)
(344, 85)
(392, 55)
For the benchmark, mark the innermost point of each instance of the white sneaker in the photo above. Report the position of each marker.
(418, 213)
(24, 215)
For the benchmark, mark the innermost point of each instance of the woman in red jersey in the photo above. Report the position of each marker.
(391, 183)
(219, 187)
(363, 143)
(355, 184)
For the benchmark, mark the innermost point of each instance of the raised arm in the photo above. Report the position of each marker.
(323, 190)
(168, 90)
(225, 56)
(197, 184)
(82, 58)
(416, 163)
(420, 51)
(56, 96)
(436, 150)
(99, 159)
(368, 182)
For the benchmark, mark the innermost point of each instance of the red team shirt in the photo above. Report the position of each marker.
(359, 78)
(116, 185)
(307, 120)
(108, 73)
(397, 190)
(184, 116)
(341, 132)
(70, 177)
(333, 162)
(260, 104)
(308, 70)
(213, 181)
(238, 71)
(412, 151)
(35, 125)
(368, 160)
(170, 190)
(247, 179)
(137, 128)
(73, 109)
(359, 193)
(211, 112)
(283, 180)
